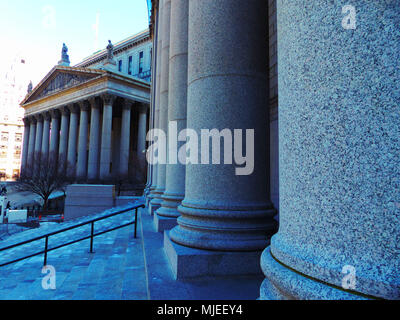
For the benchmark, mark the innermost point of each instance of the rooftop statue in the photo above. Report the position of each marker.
(110, 51)
(30, 87)
(64, 56)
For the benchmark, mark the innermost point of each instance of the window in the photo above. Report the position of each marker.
(15, 174)
(120, 65)
(130, 65)
(18, 137)
(4, 136)
(141, 62)
(151, 57)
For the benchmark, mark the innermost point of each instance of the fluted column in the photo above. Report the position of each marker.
(164, 84)
(226, 208)
(175, 174)
(31, 146)
(81, 169)
(94, 141)
(339, 154)
(72, 140)
(45, 137)
(25, 147)
(54, 135)
(38, 141)
(64, 134)
(153, 187)
(105, 153)
(125, 139)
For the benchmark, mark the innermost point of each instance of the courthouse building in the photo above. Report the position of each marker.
(327, 151)
(92, 118)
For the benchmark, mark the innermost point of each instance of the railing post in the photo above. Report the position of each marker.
(135, 222)
(45, 250)
(91, 238)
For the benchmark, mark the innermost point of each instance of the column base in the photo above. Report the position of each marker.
(282, 283)
(189, 263)
(164, 223)
(153, 206)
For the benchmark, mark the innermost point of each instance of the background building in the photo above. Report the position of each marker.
(13, 86)
(92, 118)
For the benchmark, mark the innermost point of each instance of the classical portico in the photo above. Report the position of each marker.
(90, 121)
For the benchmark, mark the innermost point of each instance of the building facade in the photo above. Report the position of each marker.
(92, 118)
(12, 90)
(326, 144)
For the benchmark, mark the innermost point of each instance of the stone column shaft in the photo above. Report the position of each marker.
(54, 135)
(25, 147)
(339, 127)
(125, 139)
(72, 141)
(141, 141)
(164, 82)
(46, 138)
(31, 146)
(153, 188)
(81, 169)
(178, 64)
(94, 142)
(105, 153)
(227, 209)
(38, 142)
(64, 140)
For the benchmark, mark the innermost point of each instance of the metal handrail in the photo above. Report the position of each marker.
(91, 237)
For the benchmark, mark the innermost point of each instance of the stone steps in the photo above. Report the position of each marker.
(115, 271)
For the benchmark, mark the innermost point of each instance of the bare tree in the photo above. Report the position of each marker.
(43, 179)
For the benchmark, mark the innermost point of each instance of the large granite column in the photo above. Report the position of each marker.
(154, 84)
(72, 141)
(105, 153)
(163, 113)
(24, 158)
(45, 137)
(94, 141)
(31, 145)
(125, 141)
(64, 134)
(175, 174)
(81, 168)
(339, 127)
(38, 142)
(226, 213)
(153, 188)
(54, 135)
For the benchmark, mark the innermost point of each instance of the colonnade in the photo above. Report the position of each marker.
(78, 137)
(211, 77)
(339, 201)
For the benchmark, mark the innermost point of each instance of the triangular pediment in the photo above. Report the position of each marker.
(61, 78)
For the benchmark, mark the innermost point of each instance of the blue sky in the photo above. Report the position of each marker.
(36, 29)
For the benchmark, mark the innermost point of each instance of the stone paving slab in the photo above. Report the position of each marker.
(122, 268)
